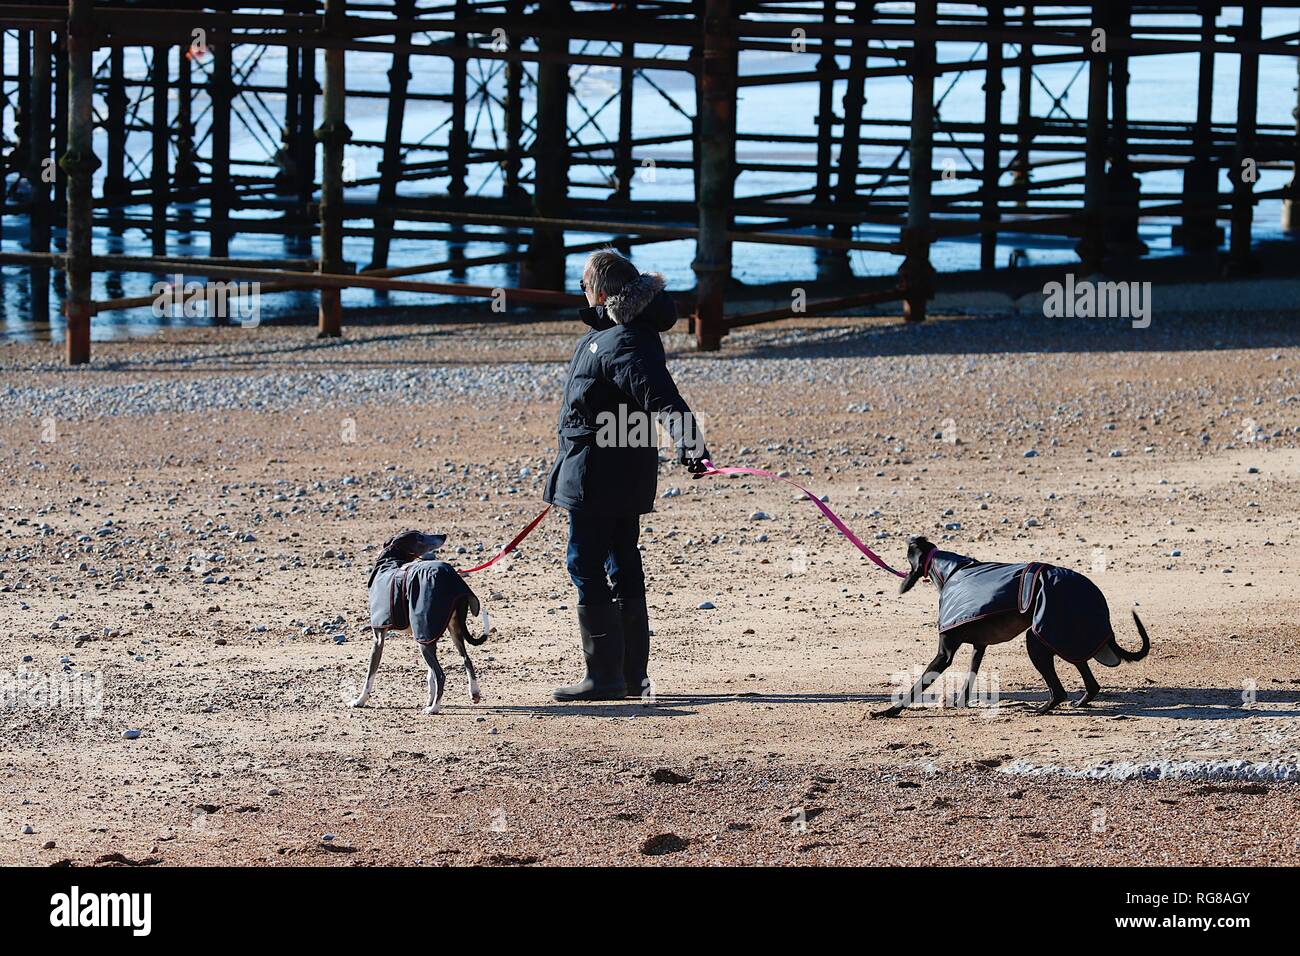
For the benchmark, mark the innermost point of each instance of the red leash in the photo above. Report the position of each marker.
(831, 516)
(513, 544)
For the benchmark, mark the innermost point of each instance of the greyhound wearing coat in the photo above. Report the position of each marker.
(410, 589)
(981, 603)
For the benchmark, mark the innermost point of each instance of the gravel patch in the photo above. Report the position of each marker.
(1273, 771)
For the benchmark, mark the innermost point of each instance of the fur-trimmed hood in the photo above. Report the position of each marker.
(641, 300)
(630, 301)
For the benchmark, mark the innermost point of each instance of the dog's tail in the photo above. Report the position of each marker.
(472, 600)
(1141, 652)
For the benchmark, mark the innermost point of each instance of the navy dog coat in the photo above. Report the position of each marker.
(1069, 612)
(410, 589)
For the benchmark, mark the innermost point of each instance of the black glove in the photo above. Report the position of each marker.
(695, 464)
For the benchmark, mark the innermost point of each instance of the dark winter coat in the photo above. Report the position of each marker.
(1069, 612)
(608, 462)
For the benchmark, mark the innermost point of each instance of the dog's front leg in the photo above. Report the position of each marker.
(376, 655)
(437, 679)
(963, 699)
(941, 662)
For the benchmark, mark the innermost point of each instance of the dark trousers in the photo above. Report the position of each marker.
(603, 559)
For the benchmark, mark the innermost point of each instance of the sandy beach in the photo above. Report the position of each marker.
(188, 523)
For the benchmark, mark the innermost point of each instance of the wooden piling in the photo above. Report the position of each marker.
(714, 160)
(390, 164)
(834, 264)
(916, 275)
(40, 172)
(1246, 161)
(61, 86)
(992, 161)
(79, 163)
(161, 150)
(221, 91)
(825, 118)
(543, 268)
(514, 120)
(333, 136)
(458, 136)
(305, 140)
(1290, 215)
(1123, 188)
(1092, 247)
(624, 169)
(115, 101)
(1022, 167)
(22, 149)
(1199, 229)
(186, 175)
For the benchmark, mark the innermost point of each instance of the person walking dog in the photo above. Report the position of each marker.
(605, 474)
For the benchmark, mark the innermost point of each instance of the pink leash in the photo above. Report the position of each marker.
(831, 516)
(513, 544)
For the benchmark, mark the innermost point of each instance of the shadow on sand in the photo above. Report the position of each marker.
(1175, 703)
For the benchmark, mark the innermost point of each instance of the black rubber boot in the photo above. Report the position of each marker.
(636, 645)
(602, 645)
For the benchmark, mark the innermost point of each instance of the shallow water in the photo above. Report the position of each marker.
(1161, 87)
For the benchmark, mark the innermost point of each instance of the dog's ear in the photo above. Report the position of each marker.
(918, 546)
(429, 543)
(909, 582)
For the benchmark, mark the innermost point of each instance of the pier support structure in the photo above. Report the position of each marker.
(548, 114)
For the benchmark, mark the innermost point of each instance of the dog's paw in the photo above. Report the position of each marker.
(359, 702)
(433, 709)
(476, 698)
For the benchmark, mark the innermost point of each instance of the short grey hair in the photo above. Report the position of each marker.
(606, 272)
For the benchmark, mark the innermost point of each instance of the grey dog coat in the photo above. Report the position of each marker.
(1069, 612)
(408, 588)
(421, 595)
